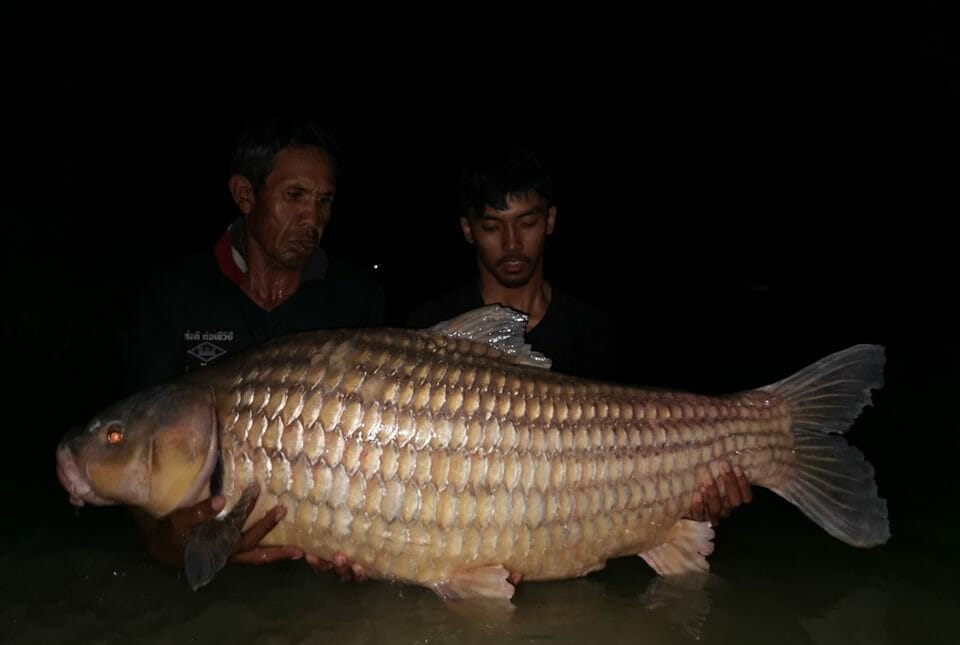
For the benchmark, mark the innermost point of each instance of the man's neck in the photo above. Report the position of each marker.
(531, 298)
(267, 284)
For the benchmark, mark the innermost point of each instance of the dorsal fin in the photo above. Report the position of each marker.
(497, 326)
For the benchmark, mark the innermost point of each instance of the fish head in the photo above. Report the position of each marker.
(155, 450)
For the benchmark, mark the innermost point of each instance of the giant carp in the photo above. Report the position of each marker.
(454, 458)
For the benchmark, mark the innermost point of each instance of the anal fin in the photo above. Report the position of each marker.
(688, 543)
(488, 582)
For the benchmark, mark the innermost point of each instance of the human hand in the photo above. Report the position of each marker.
(167, 539)
(346, 570)
(248, 549)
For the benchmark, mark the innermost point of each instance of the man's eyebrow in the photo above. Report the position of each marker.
(298, 185)
(536, 210)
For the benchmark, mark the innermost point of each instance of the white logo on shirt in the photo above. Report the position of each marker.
(219, 336)
(206, 352)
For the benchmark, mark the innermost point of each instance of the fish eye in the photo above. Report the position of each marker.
(114, 436)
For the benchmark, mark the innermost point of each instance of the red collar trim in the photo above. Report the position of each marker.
(224, 254)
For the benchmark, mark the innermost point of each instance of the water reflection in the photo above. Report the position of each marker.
(87, 580)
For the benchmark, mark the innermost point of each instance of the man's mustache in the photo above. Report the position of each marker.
(513, 258)
(310, 237)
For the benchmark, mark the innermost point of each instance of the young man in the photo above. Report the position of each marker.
(266, 277)
(507, 212)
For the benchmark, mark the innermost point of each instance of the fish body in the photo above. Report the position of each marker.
(451, 458)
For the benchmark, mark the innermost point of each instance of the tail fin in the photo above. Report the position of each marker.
(833, 484)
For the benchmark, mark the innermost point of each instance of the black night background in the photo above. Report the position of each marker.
(746, 190)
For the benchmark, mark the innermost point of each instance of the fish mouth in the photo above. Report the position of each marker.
(74, 481)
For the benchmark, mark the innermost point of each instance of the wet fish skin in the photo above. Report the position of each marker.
(431, 458)
(428, 457)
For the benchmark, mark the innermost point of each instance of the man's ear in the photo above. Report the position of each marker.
(465, 227)
(242, 192)
(551, 219)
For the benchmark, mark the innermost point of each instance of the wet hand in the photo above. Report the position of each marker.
(247, 550)
(346, 570)
(166, 538)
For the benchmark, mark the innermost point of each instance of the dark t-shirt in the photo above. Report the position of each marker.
(577, 337)
(191, 314)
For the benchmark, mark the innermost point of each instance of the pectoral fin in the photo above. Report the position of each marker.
(688, 543)
(211, 543)
(207, 550)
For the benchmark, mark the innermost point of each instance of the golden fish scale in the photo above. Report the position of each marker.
(419, 455)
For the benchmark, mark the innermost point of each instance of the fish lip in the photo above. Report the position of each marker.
(69, 475)
(74, 481)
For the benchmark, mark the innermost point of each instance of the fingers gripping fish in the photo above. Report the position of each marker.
(453, 457)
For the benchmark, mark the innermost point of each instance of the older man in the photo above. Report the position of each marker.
(266, 277)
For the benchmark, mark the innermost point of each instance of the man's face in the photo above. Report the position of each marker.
(510, 242)
(287, 216)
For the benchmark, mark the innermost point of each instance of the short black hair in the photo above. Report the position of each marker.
(256, 148)
(493, 175)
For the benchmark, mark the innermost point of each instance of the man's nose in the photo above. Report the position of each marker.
(511, 238)
(315, 213)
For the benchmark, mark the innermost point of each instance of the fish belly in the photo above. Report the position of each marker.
(419, 456)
